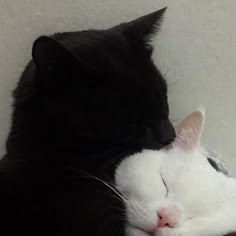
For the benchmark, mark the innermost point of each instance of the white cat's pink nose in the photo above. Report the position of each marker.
(167, 217)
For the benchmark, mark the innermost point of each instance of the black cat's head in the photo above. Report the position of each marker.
(102, 85)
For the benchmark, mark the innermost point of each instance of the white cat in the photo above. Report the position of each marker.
(176, 192)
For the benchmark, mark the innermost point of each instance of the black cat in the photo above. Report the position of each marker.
(86, 100)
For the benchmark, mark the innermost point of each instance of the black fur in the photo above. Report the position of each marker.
(86, 100)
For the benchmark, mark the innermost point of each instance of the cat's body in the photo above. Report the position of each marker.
(86, 100)
(176, 192)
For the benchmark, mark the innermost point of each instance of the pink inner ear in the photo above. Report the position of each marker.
(188, 131)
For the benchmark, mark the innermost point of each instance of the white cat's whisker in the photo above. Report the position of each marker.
(138, 210)
(108, 185)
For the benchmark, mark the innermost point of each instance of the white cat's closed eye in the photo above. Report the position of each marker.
(167, 190)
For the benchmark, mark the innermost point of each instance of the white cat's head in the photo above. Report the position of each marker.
(169, 187)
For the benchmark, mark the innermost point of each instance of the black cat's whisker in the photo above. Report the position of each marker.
(115, 217)
(173, 84)
(122, 212)
(167, 72)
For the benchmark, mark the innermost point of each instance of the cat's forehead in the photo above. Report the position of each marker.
(141, 167)
(146, 166)
(146, 159)
(95, 44)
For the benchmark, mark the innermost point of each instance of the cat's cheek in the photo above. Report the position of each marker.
(185, 230)
(166, 231)
(131, 231)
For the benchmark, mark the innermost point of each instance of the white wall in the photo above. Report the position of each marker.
(196, 48)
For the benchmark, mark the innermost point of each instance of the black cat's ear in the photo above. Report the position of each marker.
(142, 29)
(50, 56)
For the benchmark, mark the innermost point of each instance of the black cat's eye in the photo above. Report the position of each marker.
(167, 190)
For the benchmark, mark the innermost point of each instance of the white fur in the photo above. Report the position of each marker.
(201, 200)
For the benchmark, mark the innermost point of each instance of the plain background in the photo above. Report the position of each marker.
(196, 50)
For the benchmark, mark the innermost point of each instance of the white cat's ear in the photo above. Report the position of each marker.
(188, 131)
